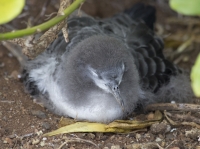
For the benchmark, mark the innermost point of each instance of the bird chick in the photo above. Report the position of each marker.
(107, 69)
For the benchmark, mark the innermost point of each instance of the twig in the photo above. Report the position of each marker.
(186, 117)
(193, 124)
(133, 132)
(65, 33)
(185, 21)
(185, 44)
(179, 59)
(41, 44)
(79, 9)
(42, 12)
(170, 144)
(6, 101)
(50, 15)
(15, 50)
(79, 140)
(26, 135)
(174, 106)
(146, 145)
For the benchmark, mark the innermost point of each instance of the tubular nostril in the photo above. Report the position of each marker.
(116, 88)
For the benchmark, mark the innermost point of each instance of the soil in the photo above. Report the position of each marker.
(22, 122)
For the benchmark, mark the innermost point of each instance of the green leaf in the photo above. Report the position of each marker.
(9, 9)
(186, 7)
(195, 77)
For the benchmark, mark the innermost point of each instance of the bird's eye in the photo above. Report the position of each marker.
(114, 77)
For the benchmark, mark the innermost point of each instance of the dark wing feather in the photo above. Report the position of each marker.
(147, 50)
(150, 47)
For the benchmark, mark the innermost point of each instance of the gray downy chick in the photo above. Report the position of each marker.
(107, 70)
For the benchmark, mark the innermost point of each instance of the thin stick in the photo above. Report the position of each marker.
(174, 107)
(170, 144)
(15, 50)
(79, 140)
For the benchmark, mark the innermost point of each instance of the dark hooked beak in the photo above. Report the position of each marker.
(116, 93)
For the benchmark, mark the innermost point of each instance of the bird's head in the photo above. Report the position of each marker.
(103, 60)
(109, 79)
